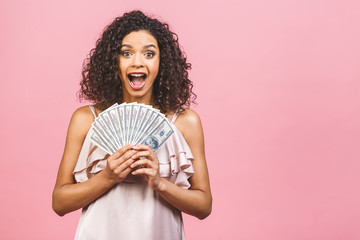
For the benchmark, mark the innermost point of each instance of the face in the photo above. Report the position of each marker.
(139, 61)
(152, 142)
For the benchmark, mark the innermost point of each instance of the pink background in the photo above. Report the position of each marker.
(278, 91)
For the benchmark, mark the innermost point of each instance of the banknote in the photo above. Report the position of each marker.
(99, 134)
(100, 143)
(126, 123)
(159, 135)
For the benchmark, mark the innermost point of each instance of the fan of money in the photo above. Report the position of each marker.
(127, 123)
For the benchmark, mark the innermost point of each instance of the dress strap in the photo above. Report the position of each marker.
(93, 110)
(174, 117)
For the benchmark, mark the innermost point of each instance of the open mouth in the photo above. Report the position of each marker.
(137, 80)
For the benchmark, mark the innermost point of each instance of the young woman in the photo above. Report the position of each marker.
(137, 59)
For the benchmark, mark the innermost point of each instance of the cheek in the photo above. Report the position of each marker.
(123, 64)
(122, 76)
(122, 70)
(155, 67)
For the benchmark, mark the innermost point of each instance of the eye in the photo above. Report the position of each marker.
(125, 53)
(149, 54)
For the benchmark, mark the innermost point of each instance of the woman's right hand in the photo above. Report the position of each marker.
(118, 164)
(68, 195)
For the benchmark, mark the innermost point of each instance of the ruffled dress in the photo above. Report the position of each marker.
(130, 210)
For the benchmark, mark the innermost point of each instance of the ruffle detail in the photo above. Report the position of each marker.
(92, 160)
(174, 156)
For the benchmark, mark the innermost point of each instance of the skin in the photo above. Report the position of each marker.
(69, 196)
(139, 52)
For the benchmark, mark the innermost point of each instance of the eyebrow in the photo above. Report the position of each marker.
(150, 45)
(146, 46)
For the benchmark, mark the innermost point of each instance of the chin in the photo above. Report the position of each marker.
(137, 94)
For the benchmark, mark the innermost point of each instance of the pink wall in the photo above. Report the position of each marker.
(278, 91)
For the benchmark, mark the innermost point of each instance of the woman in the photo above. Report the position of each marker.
(137, 59)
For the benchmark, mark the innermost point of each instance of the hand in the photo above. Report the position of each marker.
(149, 166)
(118, 164)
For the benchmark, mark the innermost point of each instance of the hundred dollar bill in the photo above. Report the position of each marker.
(131, 112)
(110, 129)
(151, 126)
(133, 118)
(159, 135)
(127, 110)
(104, 139)
(96, 139)
(105, 123)
(103, 127)
(112, 117)
(114, 106)
(121, 119)
(145, 125)
(106, 136)
(140, 119)
(130, 123)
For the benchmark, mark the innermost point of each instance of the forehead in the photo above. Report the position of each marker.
(139, 39)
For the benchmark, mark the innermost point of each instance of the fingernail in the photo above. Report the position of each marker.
(133, 156)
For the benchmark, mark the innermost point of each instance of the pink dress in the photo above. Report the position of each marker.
(131, 210)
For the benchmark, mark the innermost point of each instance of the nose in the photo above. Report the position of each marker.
(137, 61)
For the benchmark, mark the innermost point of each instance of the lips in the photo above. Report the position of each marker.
(137, 80)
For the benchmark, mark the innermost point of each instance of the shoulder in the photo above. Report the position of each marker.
(188, 122)
(188, 117)
(82, 114)
(81, 120)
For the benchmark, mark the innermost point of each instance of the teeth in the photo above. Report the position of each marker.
(137, 74)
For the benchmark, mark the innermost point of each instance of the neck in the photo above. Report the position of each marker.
(145, 99)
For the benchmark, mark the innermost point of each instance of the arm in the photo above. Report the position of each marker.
(68, 195)
(196, 200)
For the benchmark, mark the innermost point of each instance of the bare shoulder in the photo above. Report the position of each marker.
(81, 120)
(79, 126)
(188, 123)
(188, 117)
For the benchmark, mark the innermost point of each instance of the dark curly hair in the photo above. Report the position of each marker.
(101, 83)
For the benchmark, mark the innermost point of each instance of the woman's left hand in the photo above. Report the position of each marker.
(148, 162)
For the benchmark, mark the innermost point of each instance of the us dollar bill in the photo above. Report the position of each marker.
(127, 123)
(159, 135)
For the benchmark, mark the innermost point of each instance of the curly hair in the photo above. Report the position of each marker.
(101, 83)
